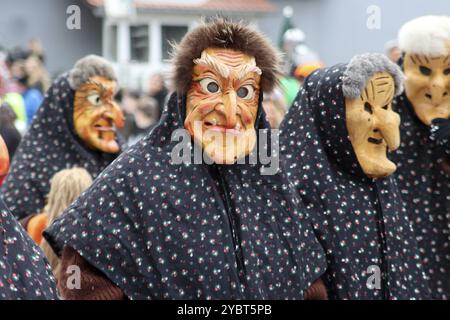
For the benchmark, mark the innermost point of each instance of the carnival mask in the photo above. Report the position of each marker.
(4, 160)
(373, 127)
(427, 85)
(222, 104)
(96, 114)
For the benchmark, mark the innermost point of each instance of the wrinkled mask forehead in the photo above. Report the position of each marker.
(222, 103)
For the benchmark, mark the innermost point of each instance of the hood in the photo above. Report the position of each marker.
(49, 146)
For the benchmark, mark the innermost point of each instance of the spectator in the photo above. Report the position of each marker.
(275, 108)
(66, 186)
(8, 130)
(146, 116)
(157, 90)
(38, 77)
(392, 51)
(32, 97)
(129, 104)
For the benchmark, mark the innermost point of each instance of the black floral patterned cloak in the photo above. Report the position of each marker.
(24, 271)
(359, 221)
(191, 231)
(425, 187)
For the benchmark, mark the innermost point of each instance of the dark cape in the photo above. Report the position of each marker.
(361, 222)
(425, 187)
(49, 146)
(191, 231)
(24, 271)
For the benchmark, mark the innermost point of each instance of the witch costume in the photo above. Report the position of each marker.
(24, 271)
(425, 187)
(423, 159)
(191, 231)
(359, 221)
(164, 231)
(49, 146)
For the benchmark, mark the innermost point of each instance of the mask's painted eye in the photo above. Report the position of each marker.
(368, 107)
(209, 85)
(425, 71)
(447, 71)
(94, 98)
(246, 92)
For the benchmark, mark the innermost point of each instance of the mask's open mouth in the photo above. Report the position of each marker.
(222, 128)
(375, 141)
(105, 128)
(104, 125)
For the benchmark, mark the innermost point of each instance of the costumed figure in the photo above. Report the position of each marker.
(335, 140)
(423, 158)
(219, 229)
(74, 127)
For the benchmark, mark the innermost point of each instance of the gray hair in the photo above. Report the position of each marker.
(88, 67)
(362, 67)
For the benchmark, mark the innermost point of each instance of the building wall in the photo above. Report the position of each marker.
(134, 74)
(21, 20)
(337, 29)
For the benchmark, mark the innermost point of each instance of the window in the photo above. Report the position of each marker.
(139, 42)
(171, 34)
(112, 43)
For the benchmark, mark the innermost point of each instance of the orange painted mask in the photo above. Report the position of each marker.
(222, 104)
(97, 115)
(4, 160)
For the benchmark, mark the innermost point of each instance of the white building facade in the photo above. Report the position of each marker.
(137, 39)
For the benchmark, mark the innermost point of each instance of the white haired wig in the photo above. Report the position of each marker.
(426, 35)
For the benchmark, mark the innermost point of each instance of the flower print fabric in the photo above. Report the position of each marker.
(425, 187)
(191, 231)
(359, 221)
(49, 146)
(24, 271)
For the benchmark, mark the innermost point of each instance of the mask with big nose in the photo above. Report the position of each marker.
(373, 126)
(96, 114)
(222, 104)
(427, 85)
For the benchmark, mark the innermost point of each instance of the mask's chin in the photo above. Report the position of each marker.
(428, 117)
(104, 141)
(230, 153)
(376, 166)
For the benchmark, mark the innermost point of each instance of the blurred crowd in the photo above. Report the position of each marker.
(23, 83)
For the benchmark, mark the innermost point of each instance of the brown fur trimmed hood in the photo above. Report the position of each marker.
(222, 33)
